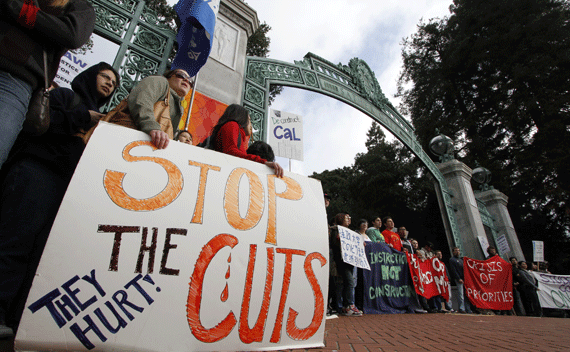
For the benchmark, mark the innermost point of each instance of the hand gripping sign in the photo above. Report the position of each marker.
(489, 283)
(181, 249)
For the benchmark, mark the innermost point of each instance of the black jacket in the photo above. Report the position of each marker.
(21, 43)
(59, 148)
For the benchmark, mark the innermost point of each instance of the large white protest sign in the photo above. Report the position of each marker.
(181, 249)
(286, 134)
(352, 248)
(554, 290)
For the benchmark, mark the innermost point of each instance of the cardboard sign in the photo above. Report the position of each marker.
(181, 249)
(489, 283)
(352, 248)
(554, 290)
(286, 134)
(387, 284)
(429, 277)
(537, 251)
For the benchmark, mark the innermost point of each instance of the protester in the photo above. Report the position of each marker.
(517, 304)
(58, 25)
(406, 244)
(373, 232)
(457, 277)
(528, 287)
(415, 244)
(390, 236)
(444, 306)
(362, 227)
(184, 137)
(345, 289)
(491, 251)
(174, 84)
(262, 150)
(35, 178)
(428, 250)
(231, 136)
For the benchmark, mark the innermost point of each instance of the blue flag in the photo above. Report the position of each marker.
(196, 33)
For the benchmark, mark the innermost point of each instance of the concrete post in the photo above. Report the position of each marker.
(496, 203)
(458, 178)
(222, 76)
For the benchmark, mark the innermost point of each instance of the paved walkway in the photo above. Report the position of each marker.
(446, 332)
(439, 332)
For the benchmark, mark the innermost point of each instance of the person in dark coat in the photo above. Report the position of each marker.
(35, 178)
(27, 29)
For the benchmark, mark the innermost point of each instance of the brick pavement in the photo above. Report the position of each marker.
(438, 332)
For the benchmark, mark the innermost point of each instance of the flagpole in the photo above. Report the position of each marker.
(191, 103)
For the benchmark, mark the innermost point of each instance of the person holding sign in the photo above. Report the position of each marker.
(36, 176)
(148, 92)
(232, 133)
(346, 271)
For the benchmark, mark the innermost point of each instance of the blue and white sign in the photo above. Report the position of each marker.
(286, 134)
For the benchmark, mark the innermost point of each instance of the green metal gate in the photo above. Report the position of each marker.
(144, 41)
(355, 85)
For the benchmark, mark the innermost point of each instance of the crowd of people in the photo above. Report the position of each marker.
(343, 277)
(36, 170)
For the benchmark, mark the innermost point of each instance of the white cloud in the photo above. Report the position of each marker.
(339, 30)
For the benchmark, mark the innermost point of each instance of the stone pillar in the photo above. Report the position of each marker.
(496, 203)
(221, 78)
(458, 178)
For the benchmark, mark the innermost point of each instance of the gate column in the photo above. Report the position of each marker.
(496, 203)
(457, 175)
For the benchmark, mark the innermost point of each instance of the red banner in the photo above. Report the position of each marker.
(489, 283)
(429, 277)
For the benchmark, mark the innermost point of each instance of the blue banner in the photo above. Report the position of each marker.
(196, 33)
(387, 285)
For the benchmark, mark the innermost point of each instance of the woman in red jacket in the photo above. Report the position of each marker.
(232, 133)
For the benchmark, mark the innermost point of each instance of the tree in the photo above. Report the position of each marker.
(494, 76)
(258, 45)
(385, 180)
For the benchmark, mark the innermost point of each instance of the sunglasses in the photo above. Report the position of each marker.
(183, 77)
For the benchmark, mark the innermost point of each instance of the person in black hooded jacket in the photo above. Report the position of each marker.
(35, 178)
(27, 28)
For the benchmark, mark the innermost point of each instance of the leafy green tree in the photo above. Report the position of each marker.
(258, 45)
(385, 180)
(494, 76)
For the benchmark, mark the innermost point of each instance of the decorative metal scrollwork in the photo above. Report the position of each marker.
(128, 5)
(151, 18)
(354, 83)
(111, 21)
(150, 40)
(255, 95)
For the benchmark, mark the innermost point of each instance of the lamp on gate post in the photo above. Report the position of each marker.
(442, 146)
(482, 177)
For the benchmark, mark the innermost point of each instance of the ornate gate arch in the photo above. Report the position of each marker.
(355, 85)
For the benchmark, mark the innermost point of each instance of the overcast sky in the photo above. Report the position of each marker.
(338, 30)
